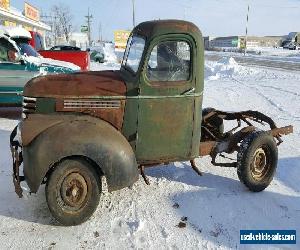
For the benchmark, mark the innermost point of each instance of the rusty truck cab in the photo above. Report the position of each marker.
(163, 68)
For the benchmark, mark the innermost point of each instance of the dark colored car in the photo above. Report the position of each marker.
(65, 48)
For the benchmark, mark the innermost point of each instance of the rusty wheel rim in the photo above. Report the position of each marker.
(74, 190)
(260, 166)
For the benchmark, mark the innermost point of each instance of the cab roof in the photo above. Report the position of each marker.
(160, 27)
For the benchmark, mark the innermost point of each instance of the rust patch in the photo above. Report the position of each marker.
(282, 131)
(34, 125)
(206, 147)
(93, 83)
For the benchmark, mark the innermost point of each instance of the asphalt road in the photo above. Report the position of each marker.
(257, 61)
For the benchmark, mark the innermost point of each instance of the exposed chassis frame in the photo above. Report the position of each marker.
(215, 142)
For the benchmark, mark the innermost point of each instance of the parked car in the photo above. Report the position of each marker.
(36, 41)
(20, 62)
(97, 54)
(294, 46)
(291, 41)
(65, 47)
(65, 53)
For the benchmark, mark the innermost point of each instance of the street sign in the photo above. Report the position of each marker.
(31, 12)
(121, 37)
(9, 24)
(84, 28)
(5, 4)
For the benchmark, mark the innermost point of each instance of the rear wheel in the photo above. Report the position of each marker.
(73, 191)
(257, 161)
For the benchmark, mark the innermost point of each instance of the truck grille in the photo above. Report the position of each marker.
(29, 106)
(91, 104)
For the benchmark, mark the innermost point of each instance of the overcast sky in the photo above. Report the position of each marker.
(214, 17)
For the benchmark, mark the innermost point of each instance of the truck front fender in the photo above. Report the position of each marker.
(82, 136)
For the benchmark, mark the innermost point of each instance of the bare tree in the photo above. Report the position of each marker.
(62, 23)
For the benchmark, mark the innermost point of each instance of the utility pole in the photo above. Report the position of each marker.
(100, 32)
(246, 36)
(133, 13)
(50, 36)
(89, 22)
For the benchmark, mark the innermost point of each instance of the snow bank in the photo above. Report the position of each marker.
(15, 32)
(42, 60)
(110, 57)
(109, 52)
(224, 68)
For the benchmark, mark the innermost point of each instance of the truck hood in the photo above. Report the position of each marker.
(82, 84)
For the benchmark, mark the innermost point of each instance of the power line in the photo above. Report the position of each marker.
(133, 13)
(246, 36)
(89, 22)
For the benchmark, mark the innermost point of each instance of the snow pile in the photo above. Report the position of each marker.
(274, 52)
(110, 57)
(224, 68)
(48, 61)
(109, 52)
(15, 32)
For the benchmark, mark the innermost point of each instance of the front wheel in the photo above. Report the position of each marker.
(73, 191)
(257, 160)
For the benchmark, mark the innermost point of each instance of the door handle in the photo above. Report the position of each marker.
(189, 91)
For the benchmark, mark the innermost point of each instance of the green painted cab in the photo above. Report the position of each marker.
(163, 66)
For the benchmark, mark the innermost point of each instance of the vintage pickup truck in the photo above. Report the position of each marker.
(81, 127)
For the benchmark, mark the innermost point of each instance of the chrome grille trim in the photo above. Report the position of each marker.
(29, 106)
(91, 104)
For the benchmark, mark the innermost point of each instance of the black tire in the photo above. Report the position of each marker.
(73, 191)
(257, 160)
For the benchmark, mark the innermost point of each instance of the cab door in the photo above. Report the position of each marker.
(166, 102)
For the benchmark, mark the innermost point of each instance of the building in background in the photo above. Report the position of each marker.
(29, 19)
(79, 39)
(226, 42)
(238, 42)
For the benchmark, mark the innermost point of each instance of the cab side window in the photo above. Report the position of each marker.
(170, 61)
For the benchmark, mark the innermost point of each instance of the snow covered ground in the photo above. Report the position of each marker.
(214, 207)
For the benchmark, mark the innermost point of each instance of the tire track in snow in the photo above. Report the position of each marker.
(268, 99)
(281, 90)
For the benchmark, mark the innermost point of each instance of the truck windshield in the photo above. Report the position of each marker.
(133, 53)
